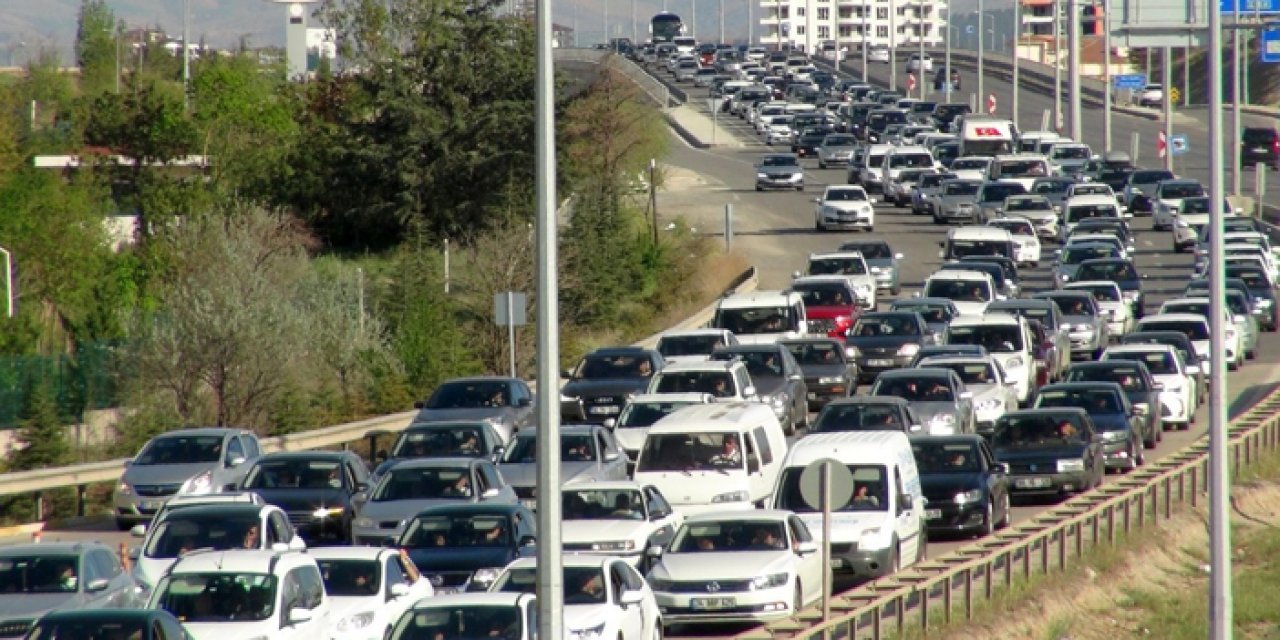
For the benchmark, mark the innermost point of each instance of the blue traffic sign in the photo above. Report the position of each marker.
(1178, 145)
(1129, 81)
(971, 30)
(1270, 47)
(1250, 6)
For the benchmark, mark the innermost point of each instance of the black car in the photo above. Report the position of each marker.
(464, 547)
(828, 374)
(1136, 380)
(600, 384)
(937, 312)
(777, 378)
(135, 624)
(1112, 415)
(313, 487)
(1050, 452)
(1260, 145)
(506, 403)
(966, 489)
(1258, 285)
(1119, 271)
(866, 413)
(806, 145)
(443, 440)
(886, 340)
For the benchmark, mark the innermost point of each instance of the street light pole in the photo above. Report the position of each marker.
(1237, 123)
(947, 70)
(186, 55)
(1057, 65)
(893, 48)
(1017, 38)
(866, 36)
(920, 34)
(1077, 117)
(981, 94)
(1106, 80)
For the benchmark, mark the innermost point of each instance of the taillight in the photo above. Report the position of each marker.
(1275, 144)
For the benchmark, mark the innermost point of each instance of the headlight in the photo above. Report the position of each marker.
(761, 175)
(1083, 327)
(324, 512)
(779, 400)
(124, 489)
(988, 405)
(769, 581)
(852, 352)
(202, 483)
(1076, 464)
(364, 523)
(486, 575)
(1263, 302)
(830, 380)
(875, 269)
(614, 545)
(909, 349)
(1113, 436)
(797, 176)
(972, 495)
(594, 633)
(943, 419)
(355, 621)
(732, 496)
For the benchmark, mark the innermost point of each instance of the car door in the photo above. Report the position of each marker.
(613, 461)
(808, 566)
(663, 519)
(795, 384)
(524, 413)
(755, 469)
(279, 528)
(907, 522)
(996, 479)
(649, 606)
(395, 574)
(304, 589)
(630, 617)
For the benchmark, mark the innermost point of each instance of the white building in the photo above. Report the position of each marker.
(806, 24)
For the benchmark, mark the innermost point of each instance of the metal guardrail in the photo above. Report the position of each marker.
(655, 88)
(944, 589)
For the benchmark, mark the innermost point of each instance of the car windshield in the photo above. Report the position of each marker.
(1238, 303)
(1027, 204)
(441, 442)
(1081, 305)
(1044, 315)
(692, 451)
(180, 450)
(1070, 153)
(837, 266)
(295, 474)
(778, 161)
(582, 585)
(1015, 227)
(470, 395)
(218, 597)
(870, 490)
(760, 363)
(931, 312)
(970, 163)
(910, 175)
(1077, 254)
(644, 414)
(1116, 271)
(1020, 432)
(918, 160)
(92, 628)
(997, 338)
(839, 141)
(717, 383)
(1050, 186)
(870, 326)
(1149, 177)
(574, 447)
(960, 188)
(993, 192)
(969, 372)
(39, 573)
(1253, 277)
(946, 457)
(757, 320)
(817, 353)
(695, 345)
(1181, 190)
(183, 531)
(1096, 401)
(921, 388)
(730, 535)
(858, 417)
(959, 290)
(445, 531)
(461, 622)
(1158, 362)
(598, 366)
(1101, 292)
(1194, 330)
(1200, 308)
(965, 248)
(1081, 211)
(350, 577)
(824, 294)
(424, 483)
(1259, 136)
(603, 504)
(1021, 169)
(929, 180)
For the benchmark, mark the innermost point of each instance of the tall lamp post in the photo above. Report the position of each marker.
(947, 69)
(978, 33)
(866, 36)
(1017, 39)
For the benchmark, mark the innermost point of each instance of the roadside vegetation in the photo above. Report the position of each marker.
(300, 279)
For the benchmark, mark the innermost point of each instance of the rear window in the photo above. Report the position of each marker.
(1260, 136)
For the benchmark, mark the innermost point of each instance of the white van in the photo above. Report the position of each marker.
(714, 457)
(906, 157)
(762, 316)
(1023, 168)
(881, 529)
(978, 241)
(986, 136)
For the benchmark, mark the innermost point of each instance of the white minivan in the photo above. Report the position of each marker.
(880, 528)
(714, 457)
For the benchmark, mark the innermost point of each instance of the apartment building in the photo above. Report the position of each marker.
(807, 24)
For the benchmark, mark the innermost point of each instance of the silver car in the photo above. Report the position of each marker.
(412, 485)
(1069, 259)
(1087, 326)
(60, 576)
(938, 398)
(505, 403)
(587, 452)
(1038, 210)
(193, 461)
(956, 201)
(925, 189)
(836, 150)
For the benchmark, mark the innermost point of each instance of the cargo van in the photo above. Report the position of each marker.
(714, 457)
(880, 528)
(986, 136)
(977, 241)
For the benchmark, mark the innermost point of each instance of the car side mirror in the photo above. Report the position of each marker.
(654, 551)
(1098, 438)
(1193, 370)
(524, 402)
(753, 465)
(99, 584)
(795, 377)
(1159, 386)
(235, 462)
(658, 514)
(873, 200)
(631, 597)
(966, 395)
(490, 493)
(528, 541)
(905, 503)
(818, 200)
(399, 589)
(381, 456)
(138, 530)
(748, 391)
(806, 548)
(612, 456)
(299, 615)
(796, 274)
(128, 461)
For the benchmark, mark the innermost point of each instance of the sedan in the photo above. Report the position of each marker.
(993, 392)
(1178, 394)
(1111, 303)
(410, 486)
(836, 150)
(779, 170)
(886, 340)
(443, 440)
(587, 452)
(598, 387)
(619, 518)
(1049, 452)
(318, 495)
(603, 597)
(867, 413)
(937, 396)
(956, 201)
(1088, 330)
(1120, 271)
(1055, 348)
(966, 489)
(506, 403)
(1112, 415)
(1026, 244)
(844, 207)
(778, 379)
(60, 576)
(369, 588)
(1135, 378)
(937, 312)
(738, 566)
(1073, 254)
(828, 374)
(882, 261)
(135, 624)
(511, 616)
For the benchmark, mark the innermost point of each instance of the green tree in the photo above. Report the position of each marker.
(96, 46)
(42, 439)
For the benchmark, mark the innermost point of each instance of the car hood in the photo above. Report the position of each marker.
(970, 174)
(949, 201)
(927, 410)
(35, 605)
(587, 531)
(1110, 421)
(402, 509)
(1037, 454)
(846, 526)
(343, 606)
(585, 616)
(822, 370)
(1074, 319)
(727, 565)
(882, 342)
(985, 392)
(526, 474)
(460, 558)
(837, 150)
(942, 487)
(847, 205)
(828, 312)
(137, 474)
(970, 308)
(303, 499)
(786, 169)
(766, 385)
(462, 414)
(604, 387)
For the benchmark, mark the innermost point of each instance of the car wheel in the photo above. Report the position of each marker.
(759, 188)
(871, 229)
(1006, 515)
(988, 521)
(800, 188)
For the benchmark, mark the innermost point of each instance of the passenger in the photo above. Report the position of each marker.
(863, 498)
(729, 455)
(644, 369)
(766, 538)
(252, 537)
(461, 488)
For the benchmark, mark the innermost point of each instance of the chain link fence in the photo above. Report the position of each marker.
(80, 382)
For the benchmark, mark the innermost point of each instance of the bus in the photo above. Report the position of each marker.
(665, 27)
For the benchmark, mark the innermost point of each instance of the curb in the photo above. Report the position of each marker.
(684, 133)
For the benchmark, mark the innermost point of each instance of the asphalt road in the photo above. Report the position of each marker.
(774, 230)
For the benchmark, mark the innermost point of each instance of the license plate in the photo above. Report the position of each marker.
(152, 505)
(529, 504)
(837, 563)
(813, 396)
(1031, 483)
(932, 514)
(440, 591)
(712, 603)
(879, 363)
(602, 410)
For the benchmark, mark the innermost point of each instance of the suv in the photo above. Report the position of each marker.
(1260, 145)
(246, 594)
(762, 316)
(727, 381)
(190, 461)
(1007, 337)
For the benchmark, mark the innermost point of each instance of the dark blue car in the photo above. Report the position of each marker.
(1112, 415)
(464, 547)
(966, 488)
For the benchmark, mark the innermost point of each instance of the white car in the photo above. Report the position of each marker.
(369, 588)
(1026, 244)
(914, 64)
(844, 207)
(1238, 351)
(878, 53)
(1008, 339)
(1178, 393)
(852, 267)
(993, 391)
(778, 130)
(604, 597)
(642, 411)
(693, 345)
(621, 518)
(738, 566)
(1196, 328)
(1110, 301)
(1167, 201)
(1151, 95)
(510, 616)
(971, 168)
(245, 593)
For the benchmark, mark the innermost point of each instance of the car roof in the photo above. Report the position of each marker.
(756, 299)
(852, 400)
(202, 431)
(309, 454)
(691, 398)
(996, 318)
(959, 274)
(470, 508)
(603, 485)
(1078, 412)
(1174, 317)
(349, 553)
(1073, 386)
(1139, 348)
(427, 463)
(1085, 284)
(915, 372)
(733, 416)
(692, 332)
(477, 379)
(740, 514)
(686, 366)
(565, 430)
(923, 301)
(478, 598)
(822, 279)
(820, 446)
(955, 438)
(232, 560)
(50, 548)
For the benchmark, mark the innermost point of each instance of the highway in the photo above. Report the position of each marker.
(774, 231)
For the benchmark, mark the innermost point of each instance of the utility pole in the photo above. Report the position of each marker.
(1167, 73)
(721, 41)
(1057, 65)
(893, 47)
(921, 80)
(1238, 60)
(1106, 83)
(866, 35)
(1077, 118)
(186, 55)
(1017, 38)
(982, 95)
